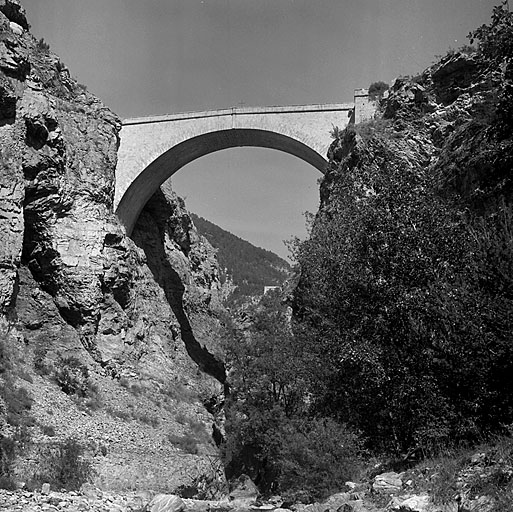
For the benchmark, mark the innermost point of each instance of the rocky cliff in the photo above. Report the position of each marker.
(134, 317)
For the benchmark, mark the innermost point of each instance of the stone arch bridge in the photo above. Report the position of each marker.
(152, 149)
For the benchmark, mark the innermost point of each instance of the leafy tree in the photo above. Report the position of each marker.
(392, 284)
(270, 434)
(377, 89)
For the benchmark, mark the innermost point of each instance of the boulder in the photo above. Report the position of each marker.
(388, 483)
(17, 29)
(335, 501)
(244, 492)
(410, 503)
(166, 503)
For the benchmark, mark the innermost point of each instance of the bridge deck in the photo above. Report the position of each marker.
(294, 109)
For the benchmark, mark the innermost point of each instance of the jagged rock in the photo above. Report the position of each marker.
(404, 97)
(388, 483)
(166, 503)
(11, 224)
(13, 60)
(73, 285)
(453, 75)
(8, 99)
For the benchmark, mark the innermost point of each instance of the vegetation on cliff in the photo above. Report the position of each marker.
(249, 268)
(402, 317)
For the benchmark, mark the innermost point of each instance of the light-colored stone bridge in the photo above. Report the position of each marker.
(153, 148)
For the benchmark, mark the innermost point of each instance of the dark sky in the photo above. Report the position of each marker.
(164, 56)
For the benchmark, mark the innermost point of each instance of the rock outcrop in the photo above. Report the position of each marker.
(74, 290)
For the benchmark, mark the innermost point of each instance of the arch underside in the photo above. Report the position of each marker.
(167, 164)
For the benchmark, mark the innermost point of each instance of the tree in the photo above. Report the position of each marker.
(392, 286)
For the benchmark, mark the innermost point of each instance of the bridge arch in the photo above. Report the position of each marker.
(153, 148)
(168, 163)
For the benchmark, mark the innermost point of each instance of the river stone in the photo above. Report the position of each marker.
(166, 503)
(244, 492)
(410, 503)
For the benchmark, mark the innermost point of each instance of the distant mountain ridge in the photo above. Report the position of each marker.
(249, 267)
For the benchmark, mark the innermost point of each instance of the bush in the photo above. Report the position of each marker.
(63, 465)
(40, 364)
(316, 456)
(11, 447)
(72, 377)
(377, 89)
(43, 45)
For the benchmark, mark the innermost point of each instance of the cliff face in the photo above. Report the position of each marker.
(441, 123)
(139, 316)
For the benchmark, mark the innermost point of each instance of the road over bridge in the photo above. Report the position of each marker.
(154, 148)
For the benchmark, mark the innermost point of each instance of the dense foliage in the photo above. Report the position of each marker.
(412, 307)
(407, 279)
(401, 334)
(249, 267)
(271, 435)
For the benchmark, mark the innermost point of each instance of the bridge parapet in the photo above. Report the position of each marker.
(236, 111)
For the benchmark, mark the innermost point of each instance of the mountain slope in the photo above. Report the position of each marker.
(249, 267)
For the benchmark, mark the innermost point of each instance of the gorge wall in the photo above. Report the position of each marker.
(137, 315)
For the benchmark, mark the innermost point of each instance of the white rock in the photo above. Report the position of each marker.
(410, 503)
(388, 483)
(17, 29)
(166, 503)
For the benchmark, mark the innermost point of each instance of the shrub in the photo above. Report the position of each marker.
(377, 89)
(40, 365)
(43, 45)
(336, 132)
(316, 456)
(72, 377)
(368, 129)
(10, 448)
(18, 401)
(63, 465)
